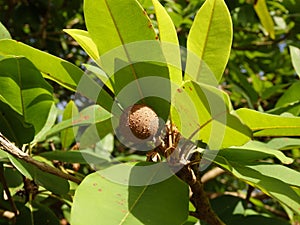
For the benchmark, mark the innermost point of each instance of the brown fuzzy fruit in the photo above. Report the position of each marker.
(142, 121)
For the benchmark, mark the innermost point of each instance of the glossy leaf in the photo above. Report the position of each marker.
(263, 124)
(91, 115)
(68, 135)
(117, 27)
(51, 182)
(4, 34)
(54, 68)
(203, 112)
(262, 176)
(48, 125)
(28, 93)
(82, 157)
(100, 74)
(209, 43)
(295, 55)
(169, 40)
(130, 204)
(261, 9)
(253, 151)
(14, 127)
(84, 40)
(284, 143)
(290, 99)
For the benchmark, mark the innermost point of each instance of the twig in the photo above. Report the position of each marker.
(7, 192)
(10, 148)
(212, 174)
(199, 198)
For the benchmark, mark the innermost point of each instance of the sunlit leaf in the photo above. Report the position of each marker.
(28, 93)
(263, 124)
(100, 199)
(84, 40)
(54, 68)
(262, 176)
(91, 115)
(68, 135)
(261, 9)
(203, 112)
(295, 55)
(117, 27)
(290, 99)
(170, 44)
(253, 151)
(209, 43)
(4, 34)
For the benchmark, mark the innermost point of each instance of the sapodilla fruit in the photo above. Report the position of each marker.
(142, 121)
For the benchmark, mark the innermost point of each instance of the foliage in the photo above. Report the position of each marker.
(233, 92)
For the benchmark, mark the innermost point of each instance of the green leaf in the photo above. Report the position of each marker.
(253, 151)
(68, 135)
(95, 132)
(25, 90)
(84, 40)
(117, 26)
(14, 127)
(261, 9)
(4, 34)
(54, 68)
(284, 143)
(263, 124)
(295, 55)
(169, 40)
(236, 212)
(82, 157)
(48, 125)
(100, 74)
(272, 179)
(291, 97)
(91, 115)
(203, 112)
(100, 199)
(209, 43)
(49, 181)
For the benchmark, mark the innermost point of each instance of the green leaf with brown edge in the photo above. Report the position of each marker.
(169, 41)
(264, 124)
(68, 135)
(122, 38)
(209, 43)
(131, 204)
(203, 112)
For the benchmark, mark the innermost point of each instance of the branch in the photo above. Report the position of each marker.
(212, 174)
(10, 148)
(199, 197)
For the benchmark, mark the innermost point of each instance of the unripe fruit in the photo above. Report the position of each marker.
(142, 121)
